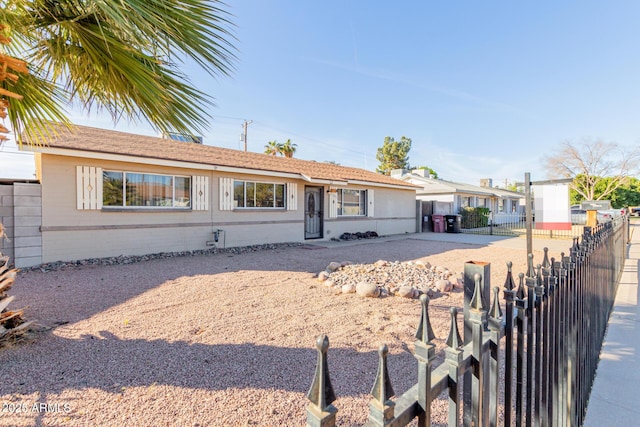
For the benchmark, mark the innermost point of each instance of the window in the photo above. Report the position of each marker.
(248, 194)
(131, 189)
(352, 202)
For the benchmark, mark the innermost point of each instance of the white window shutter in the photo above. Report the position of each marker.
(292, 196)
(200, 193)
(88, 188)
(333, 204)
(370, 204)
(226, 194)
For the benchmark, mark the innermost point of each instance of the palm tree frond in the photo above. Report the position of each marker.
(124, 57)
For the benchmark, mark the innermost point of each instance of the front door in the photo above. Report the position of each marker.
(313, 212)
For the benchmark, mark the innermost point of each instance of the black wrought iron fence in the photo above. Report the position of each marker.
(551, 330)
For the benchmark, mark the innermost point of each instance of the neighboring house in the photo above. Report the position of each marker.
(107, 193)
(458, 196)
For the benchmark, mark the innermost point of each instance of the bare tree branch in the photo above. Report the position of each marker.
(589, 162)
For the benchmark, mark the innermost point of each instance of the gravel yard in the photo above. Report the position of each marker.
(225, 339)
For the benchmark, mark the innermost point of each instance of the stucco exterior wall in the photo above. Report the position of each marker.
(394, 213)
(69, 233)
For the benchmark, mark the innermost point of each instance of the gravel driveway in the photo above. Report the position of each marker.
(216, 340)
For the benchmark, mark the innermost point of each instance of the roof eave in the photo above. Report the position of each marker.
(158, 162)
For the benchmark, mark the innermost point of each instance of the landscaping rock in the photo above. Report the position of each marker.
(333, 266)
(368, 290)
(323, 276)
(386, 278)
(405, 291)
(348, 289)
(444, 285)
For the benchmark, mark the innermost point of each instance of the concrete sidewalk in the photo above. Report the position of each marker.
(615, 397)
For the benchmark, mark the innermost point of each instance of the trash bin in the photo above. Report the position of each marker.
(438, 223)
(453, 223)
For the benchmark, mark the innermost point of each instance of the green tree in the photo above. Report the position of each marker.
(393, 155)
(627, 194)
(428, 169)
(272, 148)
(122, 57)
(288, 149)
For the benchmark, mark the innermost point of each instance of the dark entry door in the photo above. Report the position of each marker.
(313, 212)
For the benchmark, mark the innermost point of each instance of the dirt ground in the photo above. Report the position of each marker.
(218, 340)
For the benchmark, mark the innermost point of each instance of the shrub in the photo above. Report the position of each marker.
(474, 217)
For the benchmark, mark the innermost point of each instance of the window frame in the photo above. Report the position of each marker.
(275, 196)
(125, 191)
(362, 203)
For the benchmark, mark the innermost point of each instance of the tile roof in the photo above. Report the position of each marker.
(89, 139)
(441, 186)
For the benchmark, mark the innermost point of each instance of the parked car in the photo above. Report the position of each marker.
(579, 216)
(614, 212)
(634, 211)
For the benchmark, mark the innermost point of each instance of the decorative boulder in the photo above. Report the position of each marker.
(366, 289)
(406, 291)
(348, 289)
(444, 285)
(322, 276)
(333, 266)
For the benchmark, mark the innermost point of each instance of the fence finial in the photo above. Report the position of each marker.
(476, 300)
(545, 259)
(508, 283)
(496, 311)
(574, 249)
(520, 294)
(381, 408)
(425, 332)
(539, 275)
(321, 412)
(530, 270)
(454, 340)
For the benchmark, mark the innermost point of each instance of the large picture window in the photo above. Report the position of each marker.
(352, 202)
(131, 189)
(248, 194)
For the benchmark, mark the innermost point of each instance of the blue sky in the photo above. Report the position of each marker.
(484, 89)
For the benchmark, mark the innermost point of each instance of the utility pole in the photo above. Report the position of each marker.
(244, 135)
